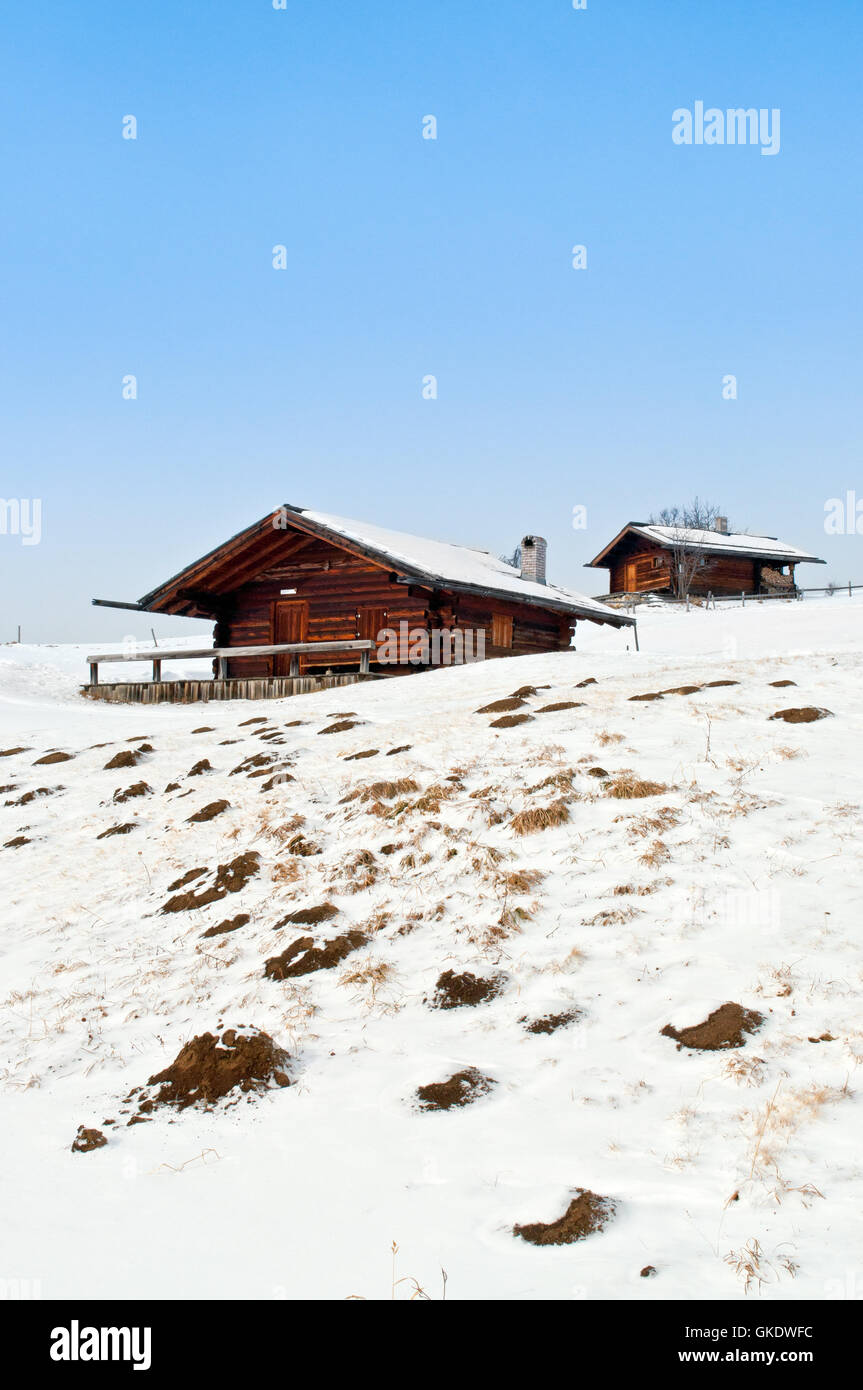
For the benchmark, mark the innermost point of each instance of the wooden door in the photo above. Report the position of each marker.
(372, 621)
(630, 582)
(290, 624)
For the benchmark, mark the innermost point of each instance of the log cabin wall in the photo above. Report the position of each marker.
(640, 567)
(725, 574)
(533, 629)
(344, 596)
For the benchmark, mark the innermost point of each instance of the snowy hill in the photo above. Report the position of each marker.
(605, 868)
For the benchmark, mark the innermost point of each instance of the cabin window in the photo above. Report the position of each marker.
(501, 630)
(657, 562)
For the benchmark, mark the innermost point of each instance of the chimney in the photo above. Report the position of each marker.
(721, 525)
(533, 550)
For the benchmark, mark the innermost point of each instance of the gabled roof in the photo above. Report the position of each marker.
(435, 564)
(710, 542)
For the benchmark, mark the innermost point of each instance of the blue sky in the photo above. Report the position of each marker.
(408, 257)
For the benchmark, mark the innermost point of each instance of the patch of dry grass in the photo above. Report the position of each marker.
(560, 781)
(612, 917)
(626, 786)
(521, 880)
(540, 817)
(657, 854)
(383, 791)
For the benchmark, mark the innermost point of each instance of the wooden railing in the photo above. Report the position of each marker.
(224, 654)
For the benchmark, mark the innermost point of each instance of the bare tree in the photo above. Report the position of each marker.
(686, 553)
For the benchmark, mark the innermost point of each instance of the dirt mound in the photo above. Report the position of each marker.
(18, 841)
(597, 772)
(560, 704)
(32, 795)
(8, 752)
(200, 768)
(279, 779)
(550, 1023)
(304, 957)
(508, 721)
(715, 685)
(256, 719)
(501, 706)
(309, 916)
(402, 748)
(230, 924)
(523, 691)
(726, 1027)
(209, 812)
(230, 878)
(186, 878)
(681, 690)
(366, 753)
(54, 758)
(806, 714)
(116, 830)
(586, 1213)
(204, 729)
(458, 991)
(263, 760)
(127, 758)
(136, 789)
(651, 695)
(86, 1140)
(341, 726)
(591, 680)
(210, 1067)
(781, 684)
(460, 1089)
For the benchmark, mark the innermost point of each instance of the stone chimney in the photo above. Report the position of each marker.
(721, 525)
(533, 550)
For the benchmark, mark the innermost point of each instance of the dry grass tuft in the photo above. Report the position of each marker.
(656, 855)
(626, 786)
(540, 817)
(521, 880)
(368, 979)
(560, 781)
(612, 917)
(383, 791)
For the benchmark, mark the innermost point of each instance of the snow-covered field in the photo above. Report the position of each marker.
(737, 880)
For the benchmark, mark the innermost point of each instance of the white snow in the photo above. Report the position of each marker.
(753, 858)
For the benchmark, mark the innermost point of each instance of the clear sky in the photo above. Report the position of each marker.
(409, 257)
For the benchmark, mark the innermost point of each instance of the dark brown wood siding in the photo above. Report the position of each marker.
(640, 567)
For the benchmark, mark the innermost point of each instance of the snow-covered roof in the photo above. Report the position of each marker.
(462, 566)
(718, 542)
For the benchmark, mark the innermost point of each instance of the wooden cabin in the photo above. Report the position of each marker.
(303, 576)
(644, 559)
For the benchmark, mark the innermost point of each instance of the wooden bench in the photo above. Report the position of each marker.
(224, 654)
